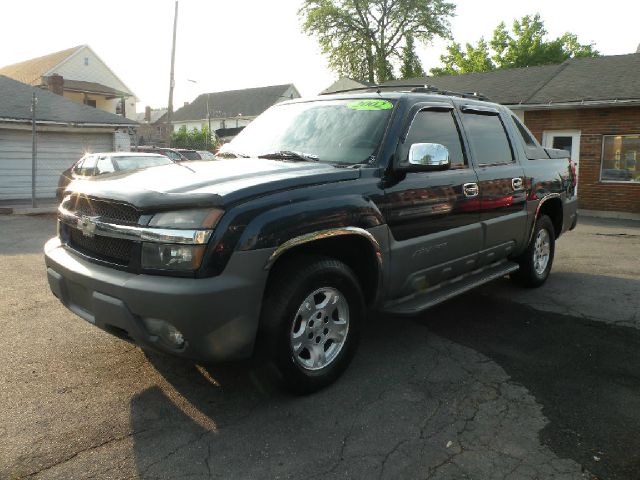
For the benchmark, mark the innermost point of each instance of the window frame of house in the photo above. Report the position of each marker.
(604, 137)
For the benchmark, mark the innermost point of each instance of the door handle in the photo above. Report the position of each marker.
(470, 189)
(517, 183)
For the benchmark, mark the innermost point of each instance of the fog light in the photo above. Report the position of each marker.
(167, 332)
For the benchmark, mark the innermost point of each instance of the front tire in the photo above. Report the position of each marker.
(311, 319)
(537, 259)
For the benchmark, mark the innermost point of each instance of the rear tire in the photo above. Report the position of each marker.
(537, 259)
(311, 318)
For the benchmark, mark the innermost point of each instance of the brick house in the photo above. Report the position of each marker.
(588, 106)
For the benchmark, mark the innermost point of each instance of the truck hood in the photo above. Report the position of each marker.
(208, 183)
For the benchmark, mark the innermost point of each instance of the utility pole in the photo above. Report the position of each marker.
(209, 120)
(171, 80)
(34, 150)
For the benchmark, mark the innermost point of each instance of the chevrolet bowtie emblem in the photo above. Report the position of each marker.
(87, 226)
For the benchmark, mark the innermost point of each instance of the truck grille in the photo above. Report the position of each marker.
(112, 250)
(106, 210)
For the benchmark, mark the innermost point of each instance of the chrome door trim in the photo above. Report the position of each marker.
(470, 190)
(517, 183)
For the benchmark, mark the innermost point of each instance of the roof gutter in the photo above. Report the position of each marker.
(568, 105)
(66, 124)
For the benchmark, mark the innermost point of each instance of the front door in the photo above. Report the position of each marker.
(568, 140)
(433, 220)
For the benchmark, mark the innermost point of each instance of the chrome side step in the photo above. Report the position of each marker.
(440, 293)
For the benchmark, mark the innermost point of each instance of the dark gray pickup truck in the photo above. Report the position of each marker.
(318, 212)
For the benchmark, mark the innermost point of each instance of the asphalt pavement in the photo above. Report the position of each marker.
(501, 383)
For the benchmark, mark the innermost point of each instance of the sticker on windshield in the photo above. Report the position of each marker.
(370, 105)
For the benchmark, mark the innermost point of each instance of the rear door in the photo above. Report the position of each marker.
(501, 180)
(434, 224)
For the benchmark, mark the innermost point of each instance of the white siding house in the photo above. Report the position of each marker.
(79, 75)
(231, 109)
(65, 131)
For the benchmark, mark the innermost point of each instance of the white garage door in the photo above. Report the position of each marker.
(56, 152)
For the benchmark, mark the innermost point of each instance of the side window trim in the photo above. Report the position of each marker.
(489, 111)
(421, 107)
(480, 110)
(440, 107)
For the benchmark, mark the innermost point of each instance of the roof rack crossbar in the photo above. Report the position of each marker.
(416, 88)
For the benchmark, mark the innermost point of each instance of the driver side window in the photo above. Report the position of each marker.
(433, 126)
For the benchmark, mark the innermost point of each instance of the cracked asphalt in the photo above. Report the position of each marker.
(501, 383)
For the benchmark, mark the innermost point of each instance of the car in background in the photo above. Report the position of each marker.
(206, 155)
(189, 154)
(172, 153)
(93, 164)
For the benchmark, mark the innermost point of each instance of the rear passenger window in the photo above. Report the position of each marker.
(431, 126)
(488, 138)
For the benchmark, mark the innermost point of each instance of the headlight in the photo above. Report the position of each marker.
(199, 218)
(184, 255)
(163, 256)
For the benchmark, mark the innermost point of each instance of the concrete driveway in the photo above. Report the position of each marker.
(500, 383)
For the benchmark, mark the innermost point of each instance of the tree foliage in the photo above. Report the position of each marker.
(194, 139)
(363, 38)
(526, 45)
(411, 66)
(473, 59)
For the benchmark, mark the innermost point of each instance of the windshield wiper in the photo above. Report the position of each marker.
(290, 155)
(232, 154)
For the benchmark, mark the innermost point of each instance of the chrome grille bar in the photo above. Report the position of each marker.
(91, 226)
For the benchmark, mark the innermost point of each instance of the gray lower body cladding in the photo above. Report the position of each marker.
(217, 316)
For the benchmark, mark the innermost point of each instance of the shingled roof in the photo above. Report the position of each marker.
(15, 106)
(249, 102)
(31, 71)
(601, 79)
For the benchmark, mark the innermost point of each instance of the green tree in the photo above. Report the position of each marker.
(194, 139)
(363, 38)
(411, 66)
(473, 59)
(526, 45)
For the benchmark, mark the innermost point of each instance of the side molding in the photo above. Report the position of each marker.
(322, 234)
(535, 219)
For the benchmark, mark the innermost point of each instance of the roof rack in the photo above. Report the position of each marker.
(414, 88)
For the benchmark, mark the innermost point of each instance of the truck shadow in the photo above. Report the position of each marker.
(229, 421)
(585, 373)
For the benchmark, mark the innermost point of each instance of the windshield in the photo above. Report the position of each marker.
(172, 155)
(338, 131)
(190, 154)
(131, 163)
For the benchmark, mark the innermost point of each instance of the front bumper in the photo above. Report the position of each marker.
(218, 316)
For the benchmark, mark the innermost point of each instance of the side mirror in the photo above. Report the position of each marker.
(427, 157)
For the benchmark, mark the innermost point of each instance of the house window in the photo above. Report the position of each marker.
(620, 158)
(86, 60)
(91, 103)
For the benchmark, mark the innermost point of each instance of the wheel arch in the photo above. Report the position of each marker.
(354, 246)
(550, 205)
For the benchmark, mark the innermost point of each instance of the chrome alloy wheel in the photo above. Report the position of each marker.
(541, 251)
(320, 328)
